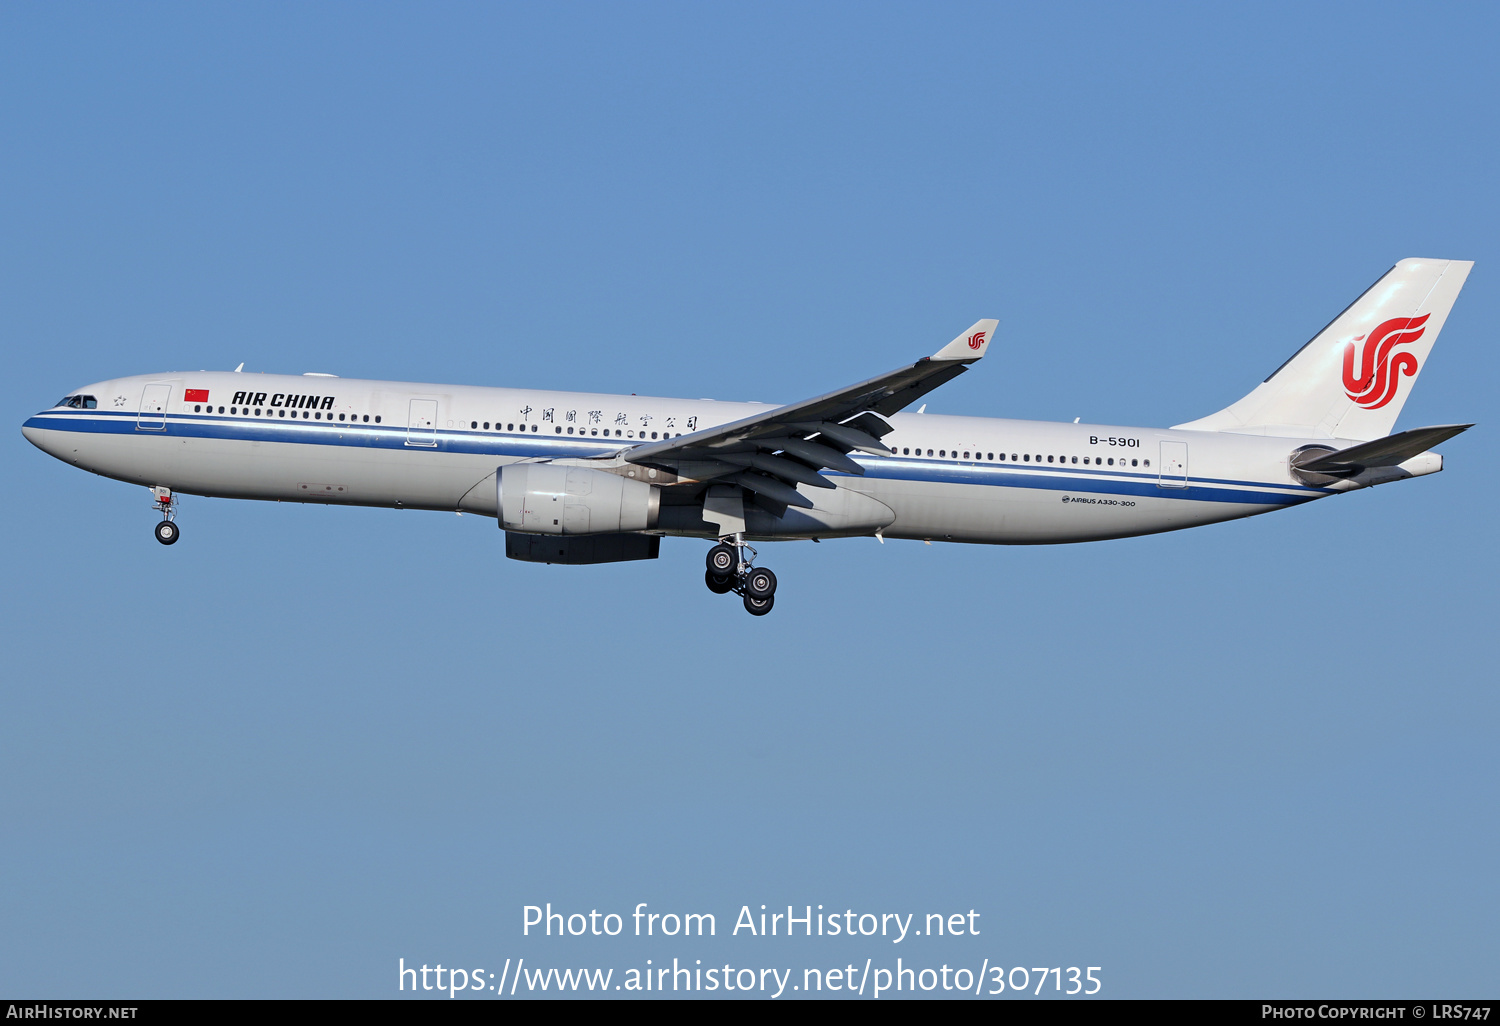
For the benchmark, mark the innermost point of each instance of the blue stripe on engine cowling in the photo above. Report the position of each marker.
(516, 446)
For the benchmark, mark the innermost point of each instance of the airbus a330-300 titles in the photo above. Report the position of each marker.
(583, 478)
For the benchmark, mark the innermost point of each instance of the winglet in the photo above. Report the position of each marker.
(971, 344)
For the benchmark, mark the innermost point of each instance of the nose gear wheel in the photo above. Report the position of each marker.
(167, 531)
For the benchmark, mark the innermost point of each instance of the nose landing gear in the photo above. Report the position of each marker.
(730, 569)
(167, 531)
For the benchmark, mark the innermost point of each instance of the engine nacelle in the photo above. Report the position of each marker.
(543, 498)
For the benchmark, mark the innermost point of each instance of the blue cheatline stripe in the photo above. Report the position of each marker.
(359, 436)
(1255, 493)
(368, 436)
(1087, 473)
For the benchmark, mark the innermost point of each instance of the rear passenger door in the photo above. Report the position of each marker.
(1173, 472)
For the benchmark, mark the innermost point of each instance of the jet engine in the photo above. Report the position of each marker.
(543, 498)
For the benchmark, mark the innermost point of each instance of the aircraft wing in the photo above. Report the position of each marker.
(772, 452)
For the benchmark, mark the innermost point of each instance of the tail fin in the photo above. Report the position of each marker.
(1352, 379)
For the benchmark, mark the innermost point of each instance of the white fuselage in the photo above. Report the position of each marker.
(376, 443)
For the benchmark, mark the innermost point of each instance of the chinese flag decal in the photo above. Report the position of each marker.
(195, 395)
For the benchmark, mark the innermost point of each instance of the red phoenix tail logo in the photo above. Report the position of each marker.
(976, 340)
(1379, 372)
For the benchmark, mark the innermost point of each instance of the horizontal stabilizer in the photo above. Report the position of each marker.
(1383, 452)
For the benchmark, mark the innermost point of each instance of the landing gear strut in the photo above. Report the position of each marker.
(730, 569)
(167, 531)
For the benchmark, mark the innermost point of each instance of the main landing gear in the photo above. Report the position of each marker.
(167, 531)
(729, 570)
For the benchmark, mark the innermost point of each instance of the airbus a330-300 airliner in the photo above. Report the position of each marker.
(581, 478)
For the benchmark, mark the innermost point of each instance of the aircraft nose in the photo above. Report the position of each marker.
(37, 434)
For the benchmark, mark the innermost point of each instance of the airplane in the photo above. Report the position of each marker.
(579, 478)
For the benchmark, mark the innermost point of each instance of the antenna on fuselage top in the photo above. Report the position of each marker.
(240, 367)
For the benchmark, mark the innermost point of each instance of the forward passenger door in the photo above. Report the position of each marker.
(153, 412)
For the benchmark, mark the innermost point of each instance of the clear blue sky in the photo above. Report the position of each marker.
(1250, 759)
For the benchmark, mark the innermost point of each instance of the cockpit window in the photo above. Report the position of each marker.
(79, 402)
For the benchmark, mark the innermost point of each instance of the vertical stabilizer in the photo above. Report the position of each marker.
(1352, 379)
